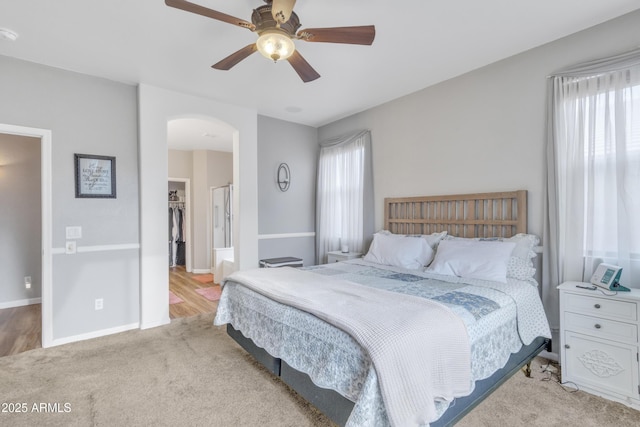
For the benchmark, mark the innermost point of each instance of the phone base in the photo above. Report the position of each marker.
(619, 288)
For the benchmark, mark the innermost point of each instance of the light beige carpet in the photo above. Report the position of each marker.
(190, 373)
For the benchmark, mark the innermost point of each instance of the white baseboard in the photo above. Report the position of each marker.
(155, 324)
(95, 334)
(201, 271)
(20, 303)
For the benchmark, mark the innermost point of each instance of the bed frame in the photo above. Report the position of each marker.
(466, 215)
(502, 214)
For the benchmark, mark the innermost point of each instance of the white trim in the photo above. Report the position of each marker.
(286, 235)
(201, 271)
(46, 141)
(102, 248)
(154, 324)
(98, 248)
(20, 303)
(96, 334)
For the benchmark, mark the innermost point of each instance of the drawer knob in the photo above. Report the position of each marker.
(567, 346)
(597, 306)
(598, 326)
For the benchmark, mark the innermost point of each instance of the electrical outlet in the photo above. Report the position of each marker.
(99, 303)
(70, 247)
(27, 282)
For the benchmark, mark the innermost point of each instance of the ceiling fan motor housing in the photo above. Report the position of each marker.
(263, 20)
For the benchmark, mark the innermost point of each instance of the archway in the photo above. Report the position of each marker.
(156, 107)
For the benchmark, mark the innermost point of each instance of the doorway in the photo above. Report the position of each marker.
(28, 303)
(200, 150)
(184, 299)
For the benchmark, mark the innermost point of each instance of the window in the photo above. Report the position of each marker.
(343, 183)
(612, 174)
(598, 160)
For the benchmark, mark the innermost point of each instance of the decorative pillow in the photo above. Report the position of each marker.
(524, 246)
(519, 269)
(411, 252)
(520, 265)
(475, 259)
(521, 262)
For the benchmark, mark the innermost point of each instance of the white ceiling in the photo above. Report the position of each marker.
(418, 43)
(199, 134)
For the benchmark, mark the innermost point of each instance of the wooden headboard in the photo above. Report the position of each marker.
(501, 214)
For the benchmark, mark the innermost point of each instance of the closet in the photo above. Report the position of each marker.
(177, 216)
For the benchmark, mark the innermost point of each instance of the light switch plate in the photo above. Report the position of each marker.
(74, 232)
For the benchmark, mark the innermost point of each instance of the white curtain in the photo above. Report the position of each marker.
(344, 208)
(593, 174)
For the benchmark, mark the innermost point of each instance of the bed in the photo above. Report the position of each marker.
(286, 318)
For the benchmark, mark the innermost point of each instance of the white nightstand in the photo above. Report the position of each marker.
(599, 341)
(336, 256)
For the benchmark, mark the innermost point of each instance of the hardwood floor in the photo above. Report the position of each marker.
(183, 285)
(20, 329)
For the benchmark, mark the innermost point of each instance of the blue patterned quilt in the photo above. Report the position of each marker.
(499, 319)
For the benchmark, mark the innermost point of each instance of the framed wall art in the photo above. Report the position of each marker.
(95, 176)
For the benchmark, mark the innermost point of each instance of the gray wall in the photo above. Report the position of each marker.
(482, 131)
(86, 115)
(180, 164)
(20, 219)
(292, 211)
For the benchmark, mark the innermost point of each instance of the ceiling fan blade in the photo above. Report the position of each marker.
(233, 59)
(210, 13)
(281, 10)
(349, 35)
(302, 67)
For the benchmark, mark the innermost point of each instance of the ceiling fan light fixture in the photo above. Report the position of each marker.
(275, 45)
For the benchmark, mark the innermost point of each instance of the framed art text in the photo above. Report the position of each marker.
(95, 176)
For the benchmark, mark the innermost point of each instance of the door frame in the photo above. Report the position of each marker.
(46, 217)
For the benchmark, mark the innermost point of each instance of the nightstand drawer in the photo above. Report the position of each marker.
(599, 327)
(601, 307)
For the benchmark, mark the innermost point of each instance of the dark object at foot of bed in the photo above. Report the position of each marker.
(338, 408)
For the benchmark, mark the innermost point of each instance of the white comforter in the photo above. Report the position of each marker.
(399, 336)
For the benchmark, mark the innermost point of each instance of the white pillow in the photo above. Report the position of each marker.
(474, 259)
(411, 252)
(432, 239)
(524, 246)
(520, 265)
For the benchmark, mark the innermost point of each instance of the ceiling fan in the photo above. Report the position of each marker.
(276, 24)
